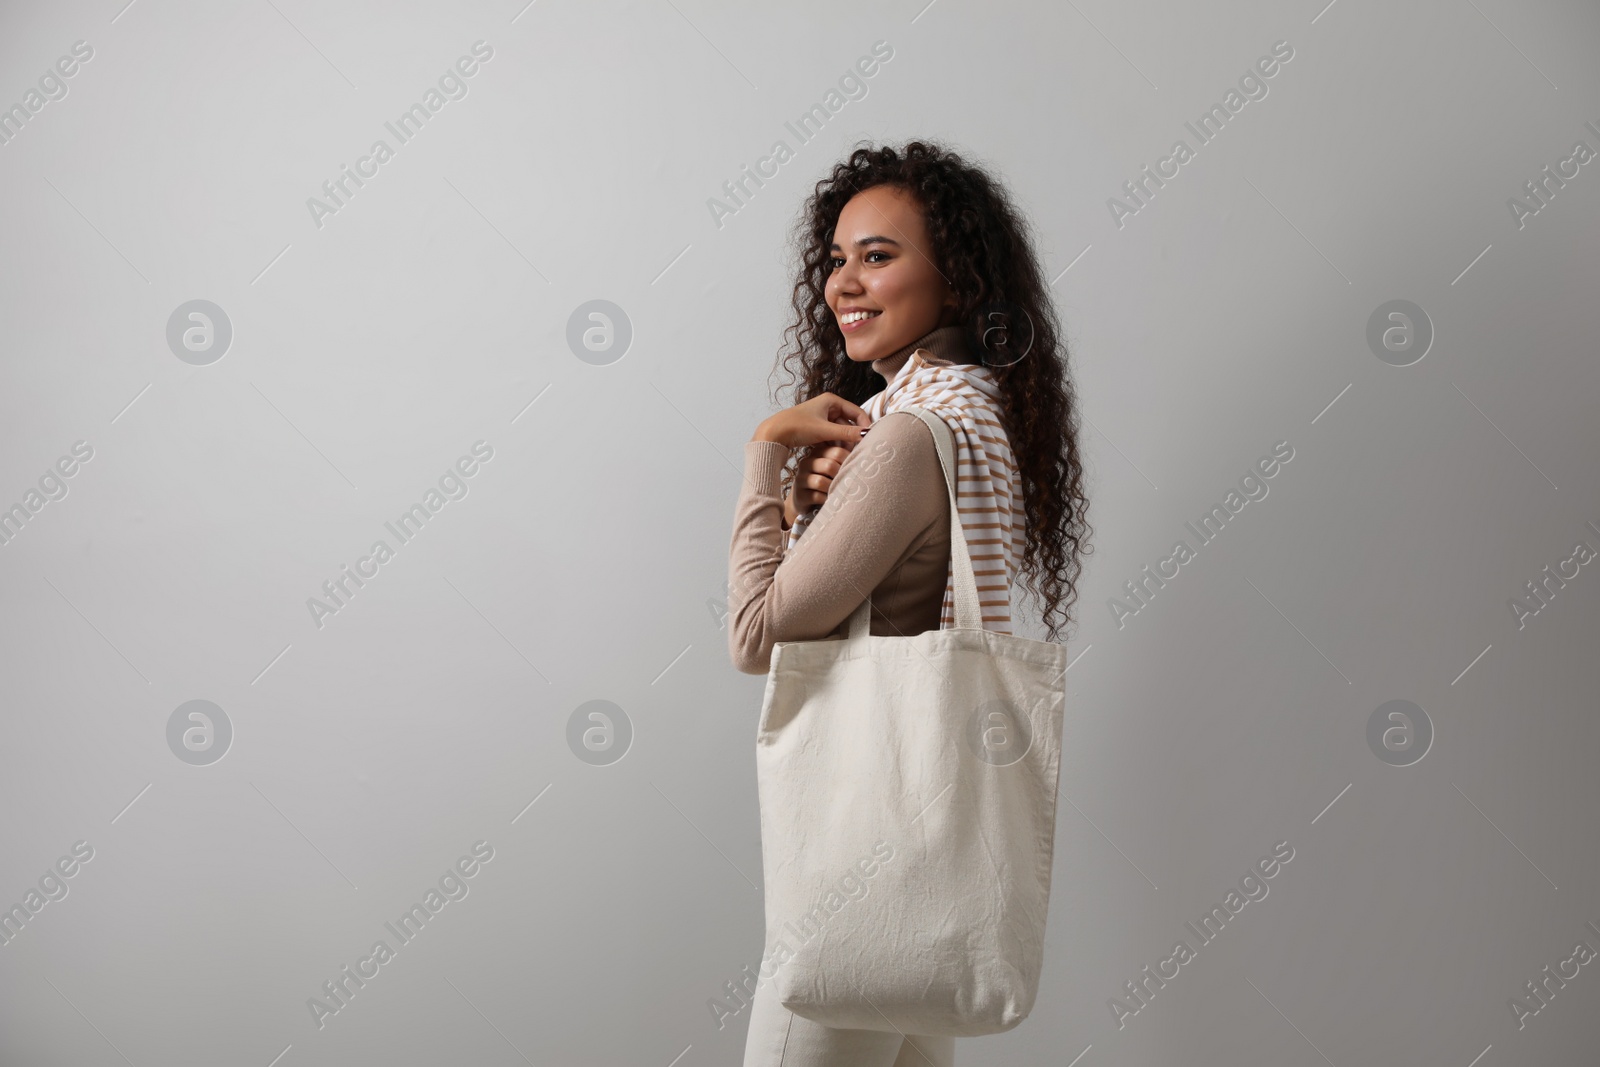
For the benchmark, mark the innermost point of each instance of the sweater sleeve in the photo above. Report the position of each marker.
(888, 492)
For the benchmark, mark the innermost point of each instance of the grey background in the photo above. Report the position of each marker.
(588, 559)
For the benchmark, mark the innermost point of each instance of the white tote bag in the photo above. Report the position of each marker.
(908, 802)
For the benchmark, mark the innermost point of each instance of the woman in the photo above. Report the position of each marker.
(917, 285)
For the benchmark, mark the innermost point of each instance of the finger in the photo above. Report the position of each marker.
(854, 413)
(825, 431)
(847, 436)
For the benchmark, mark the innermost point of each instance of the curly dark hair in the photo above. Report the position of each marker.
(983, 246)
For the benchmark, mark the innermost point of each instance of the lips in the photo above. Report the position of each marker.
(852, 321)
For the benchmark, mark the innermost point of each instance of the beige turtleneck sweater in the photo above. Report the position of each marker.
(884, 529)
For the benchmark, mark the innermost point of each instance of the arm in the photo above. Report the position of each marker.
(887, 493)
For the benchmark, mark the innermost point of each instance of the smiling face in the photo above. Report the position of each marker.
(883, 267)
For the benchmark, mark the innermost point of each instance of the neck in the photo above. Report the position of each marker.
(946, 343)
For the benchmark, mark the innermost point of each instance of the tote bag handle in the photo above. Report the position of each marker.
(969, 616)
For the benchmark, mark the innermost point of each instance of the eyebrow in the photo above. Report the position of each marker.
(864, 241)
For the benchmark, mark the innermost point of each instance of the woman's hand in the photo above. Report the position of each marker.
(812, 479)
(825, 418)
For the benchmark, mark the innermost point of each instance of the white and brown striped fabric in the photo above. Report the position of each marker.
(988, 487)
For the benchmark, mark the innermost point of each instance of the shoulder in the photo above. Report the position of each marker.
(902, 427)
(900, 435)
(898, 452)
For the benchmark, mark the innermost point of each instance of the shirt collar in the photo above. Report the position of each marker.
(943, 344)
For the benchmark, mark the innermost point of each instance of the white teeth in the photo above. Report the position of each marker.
(857, 316)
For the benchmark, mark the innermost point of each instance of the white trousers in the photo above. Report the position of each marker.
(780, 1038)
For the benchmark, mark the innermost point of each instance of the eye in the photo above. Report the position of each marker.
(835, 262)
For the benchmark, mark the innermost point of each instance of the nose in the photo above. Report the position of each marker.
(846, 279)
